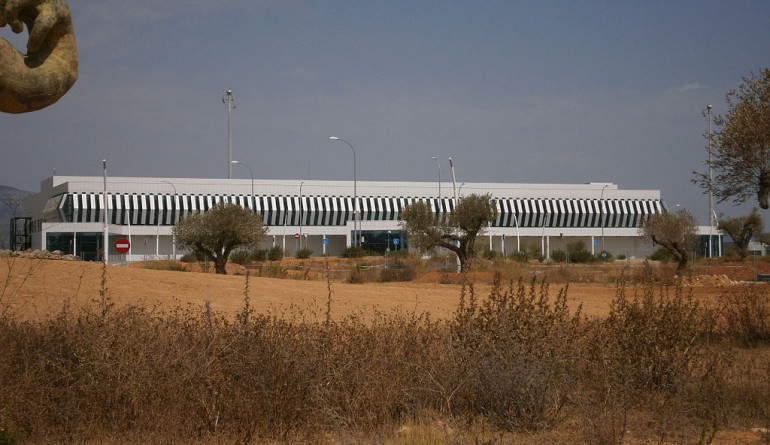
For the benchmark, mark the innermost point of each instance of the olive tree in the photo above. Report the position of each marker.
(742, 230)
(741, 157)
(218, 231)
(677, 232)
(456, 232)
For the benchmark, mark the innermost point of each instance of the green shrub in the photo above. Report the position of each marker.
(275, 253)
(559, 256)
(353, 252)
(578, 253)
(241, 256)
(304, 253)
(259, 254)
(519, 257)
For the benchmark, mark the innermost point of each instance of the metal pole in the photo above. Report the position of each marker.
(518, 238)
(604, 216)
(711, 193)
(251, 173)
(229, 100)
(454, 180)
(719, 237)
(542, 239)
(355, 193)
(174, 207)
(438, 163)
(301, 211)
(454, 202)
(106, 240)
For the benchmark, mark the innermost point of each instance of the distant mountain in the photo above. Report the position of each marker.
(10, 206)
(8, 189)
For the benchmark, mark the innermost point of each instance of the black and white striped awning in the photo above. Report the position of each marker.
(167, 209)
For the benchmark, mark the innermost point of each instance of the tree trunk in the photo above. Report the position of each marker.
(465, 263)
(219, 265)
(682, 264)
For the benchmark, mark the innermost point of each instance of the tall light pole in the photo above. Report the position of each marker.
(251, 173)
(106, 239)
(301, 211)
(604, 216)
(518, 238)
(355, 193)
(174, 209)
(229, 101)
(454, 202)
(711, 193)
(719, 238)
(454, 180)
(438, 164)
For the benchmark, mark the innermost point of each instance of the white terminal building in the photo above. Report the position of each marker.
(68, 214)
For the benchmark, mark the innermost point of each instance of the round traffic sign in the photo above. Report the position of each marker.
(122, 245)
(296, 236)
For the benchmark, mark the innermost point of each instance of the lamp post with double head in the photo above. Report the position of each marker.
(355, 193)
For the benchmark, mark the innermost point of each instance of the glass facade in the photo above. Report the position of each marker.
(87, 245)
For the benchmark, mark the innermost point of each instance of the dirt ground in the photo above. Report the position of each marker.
(35, 288)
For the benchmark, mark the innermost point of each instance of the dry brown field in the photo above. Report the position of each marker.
(40, 287)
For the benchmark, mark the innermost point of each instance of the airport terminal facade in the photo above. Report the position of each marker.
(68, 214)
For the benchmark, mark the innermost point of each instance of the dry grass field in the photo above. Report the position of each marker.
(359, 384)
(47, 284)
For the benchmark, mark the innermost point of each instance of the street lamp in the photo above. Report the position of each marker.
(719, 237)
(229, 102)
(711, 194)
(438, 164)
(106, 237)
(251, 173)
(604, 215)
(454, 181)
(175, 211)
(301, 211)
(355, 193)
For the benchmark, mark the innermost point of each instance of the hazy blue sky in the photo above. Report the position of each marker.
(514, 91)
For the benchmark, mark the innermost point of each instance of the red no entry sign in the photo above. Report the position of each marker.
(122, 245)
(296, 236)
